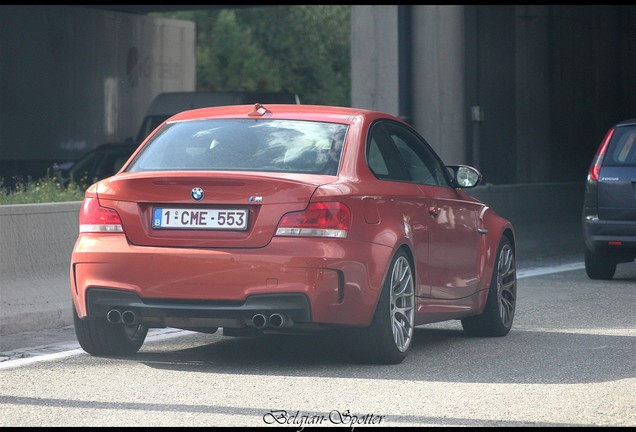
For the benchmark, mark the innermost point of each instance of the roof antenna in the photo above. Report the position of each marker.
(259, 110)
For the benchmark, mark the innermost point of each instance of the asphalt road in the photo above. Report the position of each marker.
(570, 360)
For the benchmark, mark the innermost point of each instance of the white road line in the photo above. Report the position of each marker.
(27, 356)
(18, 362)
(540, 271)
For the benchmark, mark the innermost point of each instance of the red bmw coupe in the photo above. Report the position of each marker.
(285, 218)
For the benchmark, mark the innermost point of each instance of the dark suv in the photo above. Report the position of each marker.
(609, 205)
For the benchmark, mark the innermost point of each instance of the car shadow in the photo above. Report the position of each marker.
(437, 354)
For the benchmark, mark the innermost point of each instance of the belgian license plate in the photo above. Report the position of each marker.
(204, 219)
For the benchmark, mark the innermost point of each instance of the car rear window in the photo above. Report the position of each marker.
(622, 148)
(244, 145)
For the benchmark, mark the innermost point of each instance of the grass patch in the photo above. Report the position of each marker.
(40, 191)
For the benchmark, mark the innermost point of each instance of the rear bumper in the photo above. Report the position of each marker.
(598, 232)
(199, 314)
(615, 240)
(309, 280)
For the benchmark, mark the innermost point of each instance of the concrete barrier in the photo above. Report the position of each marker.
(36, 242)
(541, 203)
(546, 217)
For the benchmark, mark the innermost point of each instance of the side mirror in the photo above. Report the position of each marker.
(464, 176)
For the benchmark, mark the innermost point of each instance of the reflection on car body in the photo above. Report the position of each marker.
(233, 217)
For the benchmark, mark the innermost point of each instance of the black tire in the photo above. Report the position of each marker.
(388, 339)
(496, 319)
(100, 338)
(599, 267)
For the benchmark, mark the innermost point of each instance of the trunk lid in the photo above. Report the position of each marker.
(617, 193)
(159, 210)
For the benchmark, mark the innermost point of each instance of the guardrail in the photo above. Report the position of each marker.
(36, 241)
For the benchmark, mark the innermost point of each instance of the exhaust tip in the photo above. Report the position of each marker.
(259, 321)
(113, 316)
(129, 317)
(277, 320)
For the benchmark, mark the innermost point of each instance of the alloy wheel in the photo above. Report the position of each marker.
(506, 285)
(402, 303)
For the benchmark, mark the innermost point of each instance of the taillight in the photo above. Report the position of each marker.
(595, 168)
(322, 219)
(97, 219)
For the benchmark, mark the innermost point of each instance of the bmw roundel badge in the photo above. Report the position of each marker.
(197, 194)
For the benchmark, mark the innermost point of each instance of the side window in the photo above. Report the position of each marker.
(383, 158)
(376, 161)
(419, 172)
(422, 164)
(622, 150)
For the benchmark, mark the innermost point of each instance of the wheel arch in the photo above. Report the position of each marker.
(499, 228)
(403, 246)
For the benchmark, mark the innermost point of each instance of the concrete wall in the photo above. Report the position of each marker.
(36, 242)
(525, 93)
(374, 58)
(438, 70)
(439, 101)
(73, 78)
(531, 203)
(532, 91)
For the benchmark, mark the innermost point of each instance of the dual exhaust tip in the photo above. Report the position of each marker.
(128, 317)
(260, 321)
(275, 320)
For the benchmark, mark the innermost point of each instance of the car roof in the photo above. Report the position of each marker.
(334, 114)
(630, 122)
